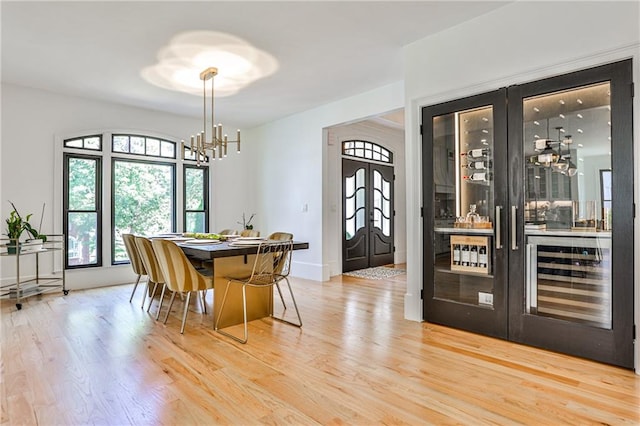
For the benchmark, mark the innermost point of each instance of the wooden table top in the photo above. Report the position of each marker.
(213, 251)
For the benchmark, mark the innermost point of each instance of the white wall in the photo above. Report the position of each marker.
(519, 42)
(293, 173)
(388, 137)
(32, 122)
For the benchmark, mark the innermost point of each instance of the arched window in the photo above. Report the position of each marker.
(366, 150)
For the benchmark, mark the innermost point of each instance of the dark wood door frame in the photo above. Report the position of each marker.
(369, 246)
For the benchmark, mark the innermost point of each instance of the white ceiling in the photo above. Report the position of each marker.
(326, 50)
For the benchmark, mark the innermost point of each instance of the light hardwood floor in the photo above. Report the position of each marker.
(93, 358)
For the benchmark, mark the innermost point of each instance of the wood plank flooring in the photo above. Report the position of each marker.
(91, 357)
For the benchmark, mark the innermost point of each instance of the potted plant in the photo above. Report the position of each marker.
(15, 228)
(16, 225)
(246, 224)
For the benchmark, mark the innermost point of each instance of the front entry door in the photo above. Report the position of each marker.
(367, 215)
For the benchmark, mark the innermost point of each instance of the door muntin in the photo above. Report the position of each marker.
(355, 220)
(381, 243)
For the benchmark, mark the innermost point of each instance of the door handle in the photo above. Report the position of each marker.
(514, 228)
(498, 234)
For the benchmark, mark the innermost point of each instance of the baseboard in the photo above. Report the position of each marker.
(310, 271)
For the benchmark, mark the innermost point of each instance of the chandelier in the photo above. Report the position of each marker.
(216, 142)
(549, 154)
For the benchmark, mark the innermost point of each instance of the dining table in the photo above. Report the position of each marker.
(225, 259)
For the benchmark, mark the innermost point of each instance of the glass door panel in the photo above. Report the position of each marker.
(462, 258)
(567, 139)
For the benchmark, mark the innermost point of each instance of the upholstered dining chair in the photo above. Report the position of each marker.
(281, 236)
(136, 264)
(271, 265)
(180, 275)
(148, 257)
(249, 233)
(228, 232)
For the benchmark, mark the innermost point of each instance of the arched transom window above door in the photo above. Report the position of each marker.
(366, 151)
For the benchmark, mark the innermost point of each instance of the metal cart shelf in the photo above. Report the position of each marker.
(24, 288)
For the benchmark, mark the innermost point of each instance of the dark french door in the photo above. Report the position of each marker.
(464, 181)
(367, 215)
(549, 208)
(571, 252)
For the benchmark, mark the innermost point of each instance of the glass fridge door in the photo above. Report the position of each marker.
(465, 148)
(571, 268)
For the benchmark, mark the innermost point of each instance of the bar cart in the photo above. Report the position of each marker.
(23, 288)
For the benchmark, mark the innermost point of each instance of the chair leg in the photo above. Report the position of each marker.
(203, 296)
(224, 300)
(244, 309)
(135, 286)
(153, 294)
(173, 296)
(295, 305)
(281, 297)
(146, 291)
(186, 310)
(164, 287)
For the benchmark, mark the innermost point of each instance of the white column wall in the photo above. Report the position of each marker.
(293, 173)
(517, 43)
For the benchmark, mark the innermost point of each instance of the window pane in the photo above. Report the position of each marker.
(121, 143)
(82, 239)
(195, 222)
(153, 147)
(92, 143)
(137, 145)
(194, 189)
(75, 143)
(82, 184)
(142, 201)
(167, 149)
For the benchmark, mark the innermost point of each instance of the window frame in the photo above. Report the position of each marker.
(350, 150)
(98, 211)
(125, 158)
(205, 194)
(105, 185)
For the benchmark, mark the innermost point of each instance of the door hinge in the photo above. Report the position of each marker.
(421, 129)
(394, 213)
(421, 211)
(634, 332)
(394, 249)
(422, 294)
(634, 210)
(633, 87)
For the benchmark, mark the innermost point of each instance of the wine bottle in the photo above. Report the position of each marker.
(456, 254)
(473, 256)
(464, 255)
(478, 165)
(476, 153)
(482, 257)
(479, 177)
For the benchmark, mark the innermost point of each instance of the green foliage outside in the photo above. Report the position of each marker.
(143, 201)
(143, 195)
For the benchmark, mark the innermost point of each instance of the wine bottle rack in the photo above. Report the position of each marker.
(470, 254)
(570, 278)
